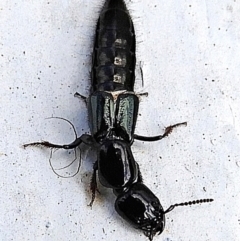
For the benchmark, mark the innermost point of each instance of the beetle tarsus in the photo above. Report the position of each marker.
(169, 129)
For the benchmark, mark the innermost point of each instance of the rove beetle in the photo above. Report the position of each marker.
(113, 110)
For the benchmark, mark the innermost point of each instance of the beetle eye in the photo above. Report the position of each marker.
(155, 204)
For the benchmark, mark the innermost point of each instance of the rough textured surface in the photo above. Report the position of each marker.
(189, 52)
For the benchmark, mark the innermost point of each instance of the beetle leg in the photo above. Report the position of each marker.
(85, 138)
(93, 185)
(142, 94)
(84, 98)
(168, 130)
(140, 178)
(141, 71)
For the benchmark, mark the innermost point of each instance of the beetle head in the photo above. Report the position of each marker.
(142, 209)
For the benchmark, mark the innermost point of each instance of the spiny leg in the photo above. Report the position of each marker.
(93, 185)
(47, 144)
(168, 130)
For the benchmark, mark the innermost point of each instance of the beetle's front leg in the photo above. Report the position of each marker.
(93, 185)
(168, 130)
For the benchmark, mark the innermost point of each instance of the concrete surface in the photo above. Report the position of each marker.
(189, 52)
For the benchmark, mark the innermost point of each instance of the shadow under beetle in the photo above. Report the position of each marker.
(113, 110)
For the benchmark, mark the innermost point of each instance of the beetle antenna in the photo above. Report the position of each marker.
(188, 203)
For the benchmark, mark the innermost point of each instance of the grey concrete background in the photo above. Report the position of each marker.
(189, 52)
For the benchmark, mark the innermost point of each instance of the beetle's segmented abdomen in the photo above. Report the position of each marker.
(114, 52)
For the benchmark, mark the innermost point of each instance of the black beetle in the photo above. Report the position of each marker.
(113, 110)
